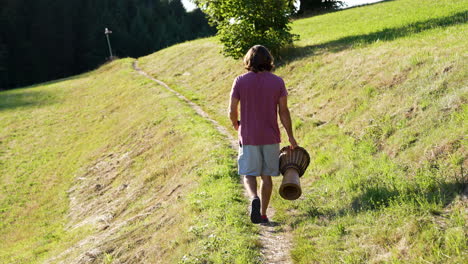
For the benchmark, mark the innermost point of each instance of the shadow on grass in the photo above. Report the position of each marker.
(374, 198)
(387, 34)
(24, 99)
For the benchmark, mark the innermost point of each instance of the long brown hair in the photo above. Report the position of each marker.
(258, 59)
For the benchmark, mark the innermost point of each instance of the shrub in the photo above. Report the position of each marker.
(244, 23)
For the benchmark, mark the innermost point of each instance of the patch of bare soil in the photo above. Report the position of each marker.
(276, 241)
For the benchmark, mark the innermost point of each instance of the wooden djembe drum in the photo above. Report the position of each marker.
(293, 164)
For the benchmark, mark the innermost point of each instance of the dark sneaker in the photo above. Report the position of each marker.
(255, 215)
(265, 219)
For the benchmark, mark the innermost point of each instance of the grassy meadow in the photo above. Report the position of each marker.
(378, 96)
(108, 167)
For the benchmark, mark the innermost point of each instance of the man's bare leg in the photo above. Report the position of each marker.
(250, 183)
(266, 189)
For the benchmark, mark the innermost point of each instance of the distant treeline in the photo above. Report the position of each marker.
(43, 40)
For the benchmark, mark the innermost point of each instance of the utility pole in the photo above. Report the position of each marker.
(107, 32)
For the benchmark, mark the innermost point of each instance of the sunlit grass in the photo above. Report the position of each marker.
(378, 96)
(104, 166)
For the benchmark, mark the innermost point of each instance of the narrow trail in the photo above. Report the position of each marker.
(275, 238)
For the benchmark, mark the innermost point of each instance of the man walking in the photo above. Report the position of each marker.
(262, 95)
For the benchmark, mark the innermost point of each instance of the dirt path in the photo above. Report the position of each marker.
(275, 238)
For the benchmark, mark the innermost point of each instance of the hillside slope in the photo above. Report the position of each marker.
(379, 98)
(108, 167)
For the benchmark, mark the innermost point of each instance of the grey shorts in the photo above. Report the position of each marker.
(261, 160)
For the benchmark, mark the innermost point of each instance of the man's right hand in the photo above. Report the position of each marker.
(293, 142)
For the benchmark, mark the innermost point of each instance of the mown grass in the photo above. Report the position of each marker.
(108, 167)
(378, 96)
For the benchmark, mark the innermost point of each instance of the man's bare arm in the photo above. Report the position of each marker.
(233, 112)
(285, 118)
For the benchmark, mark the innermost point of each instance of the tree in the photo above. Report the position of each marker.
(318, 5)
(3, 63)
(42, 40)
(3, 54)
(199, 23)
(244, 23)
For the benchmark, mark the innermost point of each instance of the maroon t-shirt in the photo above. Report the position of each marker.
(259, 95)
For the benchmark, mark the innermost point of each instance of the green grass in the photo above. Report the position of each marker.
(107, 167)
(379, 98)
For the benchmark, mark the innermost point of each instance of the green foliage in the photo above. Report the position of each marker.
(319, 5)
(244, 23)
(47, 40)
